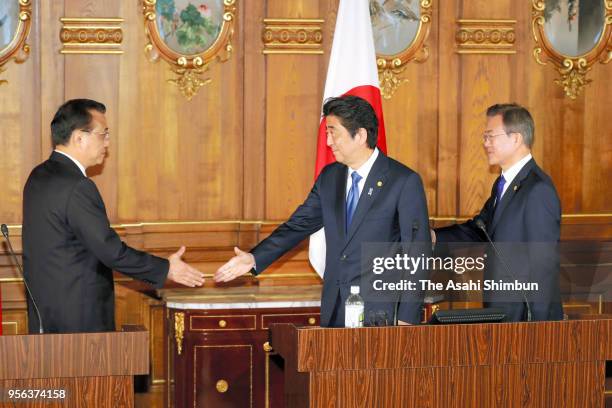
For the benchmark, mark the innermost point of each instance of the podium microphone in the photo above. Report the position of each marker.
(5, 232)
(480, 224)
(415, 229)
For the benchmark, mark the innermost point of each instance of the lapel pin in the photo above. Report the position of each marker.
(370, 191)
(379, 183)
(515, 187)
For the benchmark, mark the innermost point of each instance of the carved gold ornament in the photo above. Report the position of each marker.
(81, 35)
(292, 36)
(485, 36)
(573, 69)
(189, 39)
(390, 67)
(17, 49)
(179, 331)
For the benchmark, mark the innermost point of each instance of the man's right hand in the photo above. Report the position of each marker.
(239, 265)
(181, 272)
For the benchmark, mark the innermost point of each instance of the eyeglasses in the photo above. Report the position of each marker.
(488, 138)
(105, 135)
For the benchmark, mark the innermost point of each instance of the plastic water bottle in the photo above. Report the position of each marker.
(353, 309)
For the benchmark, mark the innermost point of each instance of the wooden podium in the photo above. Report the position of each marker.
(538, 364)
(92, 369)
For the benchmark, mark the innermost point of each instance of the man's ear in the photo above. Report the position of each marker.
(362, 136)
(519, 137)
(75, 138)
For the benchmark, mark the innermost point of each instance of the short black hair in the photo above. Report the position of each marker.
(73, 114)
(516, 119)
(354, 113)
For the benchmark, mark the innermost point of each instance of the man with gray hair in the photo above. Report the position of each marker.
(522, 217)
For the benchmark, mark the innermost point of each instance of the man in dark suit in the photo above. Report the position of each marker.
(363, 197)
(69, 248)
(522, 217)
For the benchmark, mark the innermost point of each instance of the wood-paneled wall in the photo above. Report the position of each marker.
(239, 157)
(243, 148)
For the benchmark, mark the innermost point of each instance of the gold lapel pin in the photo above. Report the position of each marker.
(379, 183)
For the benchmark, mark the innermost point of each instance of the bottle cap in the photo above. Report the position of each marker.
(354, 290)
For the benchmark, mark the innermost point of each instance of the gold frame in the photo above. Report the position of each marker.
(573, 70)
(189, 68)
(18, 50)
(391, 66)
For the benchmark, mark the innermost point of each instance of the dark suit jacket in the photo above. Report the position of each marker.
(525, 226)
(388, 214)
(70, 250)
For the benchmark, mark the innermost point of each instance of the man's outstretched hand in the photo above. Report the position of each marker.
(181, 272)
(239, 265)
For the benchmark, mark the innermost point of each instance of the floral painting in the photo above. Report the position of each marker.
(9, 19)
(189, 26)
(395, 24)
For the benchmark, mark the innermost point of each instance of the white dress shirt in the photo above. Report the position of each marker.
(511, 173)
(80, 166)
(363, 171)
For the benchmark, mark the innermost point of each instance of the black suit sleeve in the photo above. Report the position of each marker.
(542, 225)
(87, 218)
(468, 231)
(414, 229)
(306, 220)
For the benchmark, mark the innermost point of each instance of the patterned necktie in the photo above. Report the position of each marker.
(500, 189)
(352, 199)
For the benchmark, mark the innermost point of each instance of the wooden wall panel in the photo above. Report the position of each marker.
(96, 77)
(294, 91)
(448, 113)
(52, 72)
(411, 119)
(19, 127)
(596, 186)
(179, 159)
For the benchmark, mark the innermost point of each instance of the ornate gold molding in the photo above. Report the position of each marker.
(189, 67)
(18, 50)
(485, 36)
(573, 70)
(179, 330)
(292, 36)
(391, 66)
(81, 35)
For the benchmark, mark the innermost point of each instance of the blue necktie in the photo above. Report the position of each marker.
(500, 189)
(352, 199)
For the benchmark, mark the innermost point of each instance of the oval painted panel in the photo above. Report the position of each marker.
(9, 20)
(573, 27)
(189, 26)
(395, 24)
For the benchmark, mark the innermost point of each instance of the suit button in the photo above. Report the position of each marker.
(343, 257)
